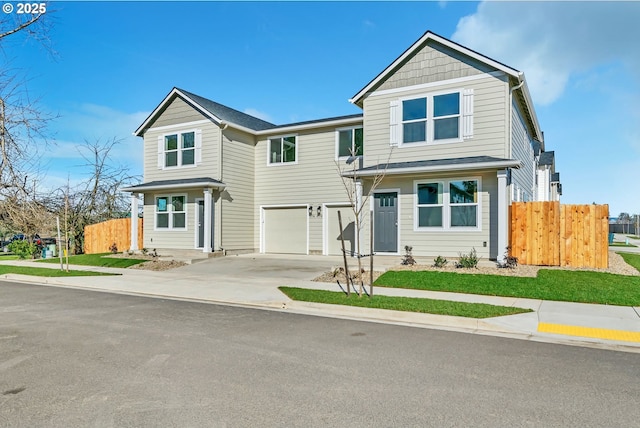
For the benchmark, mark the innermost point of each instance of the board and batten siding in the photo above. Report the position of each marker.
(166, 239)
(236, 214)
(522, 149)
(489, 124)
(446, 243)
(433, 63)
(313, 180)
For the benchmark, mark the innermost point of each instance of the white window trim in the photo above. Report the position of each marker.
(170, 212)
(430, 119)
(348, 128)
(277, 164)
(446, 206)
(196, 136)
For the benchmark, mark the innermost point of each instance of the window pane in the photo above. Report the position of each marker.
(179, 220)
(289, 149)
(430, 194)
(445, 128)
(414, 132)
(414, 109)
(171, 142)
(446, 105)
(344, 143)
(188, 140)
(463, 192)
(188, 157)
(178, 203)
(465, 215)
(359, 142)
(430, 216)
(171, 159)
(161, 204)
(162, 220)
(275, 150)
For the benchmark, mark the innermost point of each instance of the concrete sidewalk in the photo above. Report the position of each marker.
(601, 326)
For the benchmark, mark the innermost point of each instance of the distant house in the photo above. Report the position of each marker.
(454, 131)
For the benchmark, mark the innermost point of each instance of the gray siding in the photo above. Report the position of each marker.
(236, 208)
(489, 123)
(433, 63)
(522, 149)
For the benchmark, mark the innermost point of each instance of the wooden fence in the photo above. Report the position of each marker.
(98, 238)
(550, 234)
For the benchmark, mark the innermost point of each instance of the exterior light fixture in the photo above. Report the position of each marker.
(319, 211)
(310, 211)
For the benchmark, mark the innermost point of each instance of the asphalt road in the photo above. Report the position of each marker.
(73, 358)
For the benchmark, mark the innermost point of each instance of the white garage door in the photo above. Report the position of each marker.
(285, 230)
(332, 232)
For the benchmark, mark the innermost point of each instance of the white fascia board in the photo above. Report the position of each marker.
(436, 168)
(203, 184)
(448, 43)
(138, 132)
(306, 126)
(532, 112)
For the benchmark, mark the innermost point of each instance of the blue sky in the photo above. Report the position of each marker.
(294, 61)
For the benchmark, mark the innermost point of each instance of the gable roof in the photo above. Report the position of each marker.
(430, 36)
(218, 113)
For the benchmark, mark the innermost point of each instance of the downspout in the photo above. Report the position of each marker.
(510, 134)
(223, 125)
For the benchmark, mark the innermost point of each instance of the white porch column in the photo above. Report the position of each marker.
(134, 222)
(206, 248)
(503, 215)
(358, 202)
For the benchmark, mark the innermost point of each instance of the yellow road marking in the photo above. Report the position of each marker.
(597, 333)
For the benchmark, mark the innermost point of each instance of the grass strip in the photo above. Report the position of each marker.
(632, 260)
(34, 271)
(621, 244)
(559, 285)
(97, 260)
(406, 304)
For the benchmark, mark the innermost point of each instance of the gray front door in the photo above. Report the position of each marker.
(201, 224)
(385, 222)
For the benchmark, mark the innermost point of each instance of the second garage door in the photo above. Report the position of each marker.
(285, 230)
(332, 231)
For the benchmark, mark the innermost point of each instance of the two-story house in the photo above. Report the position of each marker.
(449, 136)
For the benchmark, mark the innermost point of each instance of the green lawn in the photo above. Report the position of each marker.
(34, 271)
(407, 304)
(621, 244)
(560, 285)
(97, 260)
(8, 256)
(632, 259)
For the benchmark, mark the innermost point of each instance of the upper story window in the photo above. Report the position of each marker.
(431, 118)
(350, 142)
(171, 212)
(282, 150)
(447, 205)
(178, 149)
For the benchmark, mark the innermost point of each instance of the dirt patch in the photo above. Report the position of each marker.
(617, 266)
(152, 263)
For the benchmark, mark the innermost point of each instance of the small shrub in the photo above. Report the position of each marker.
(468, 261)
(153, 253)
(509, 262)
(440, 262)
(23, 248)
(145, 251)
(408, 259)
(113, 248)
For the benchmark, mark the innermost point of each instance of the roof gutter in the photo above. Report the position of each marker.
(435, 168)
(204, 184)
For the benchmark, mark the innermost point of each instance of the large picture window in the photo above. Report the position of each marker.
(171, 212)
(433, 118)
(282, 150)
(350, 142)
(179, 149)
(449, 205)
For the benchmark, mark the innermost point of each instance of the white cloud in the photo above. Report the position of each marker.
(256, 113)
(552, 41)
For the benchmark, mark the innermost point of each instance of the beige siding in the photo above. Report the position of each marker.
(522, 149)
(433, 63)
(176, 113)
(489, 123)
(237, 213)
(166, 239)
(313, 180)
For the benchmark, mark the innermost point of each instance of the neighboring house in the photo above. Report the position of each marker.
(454, 133)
